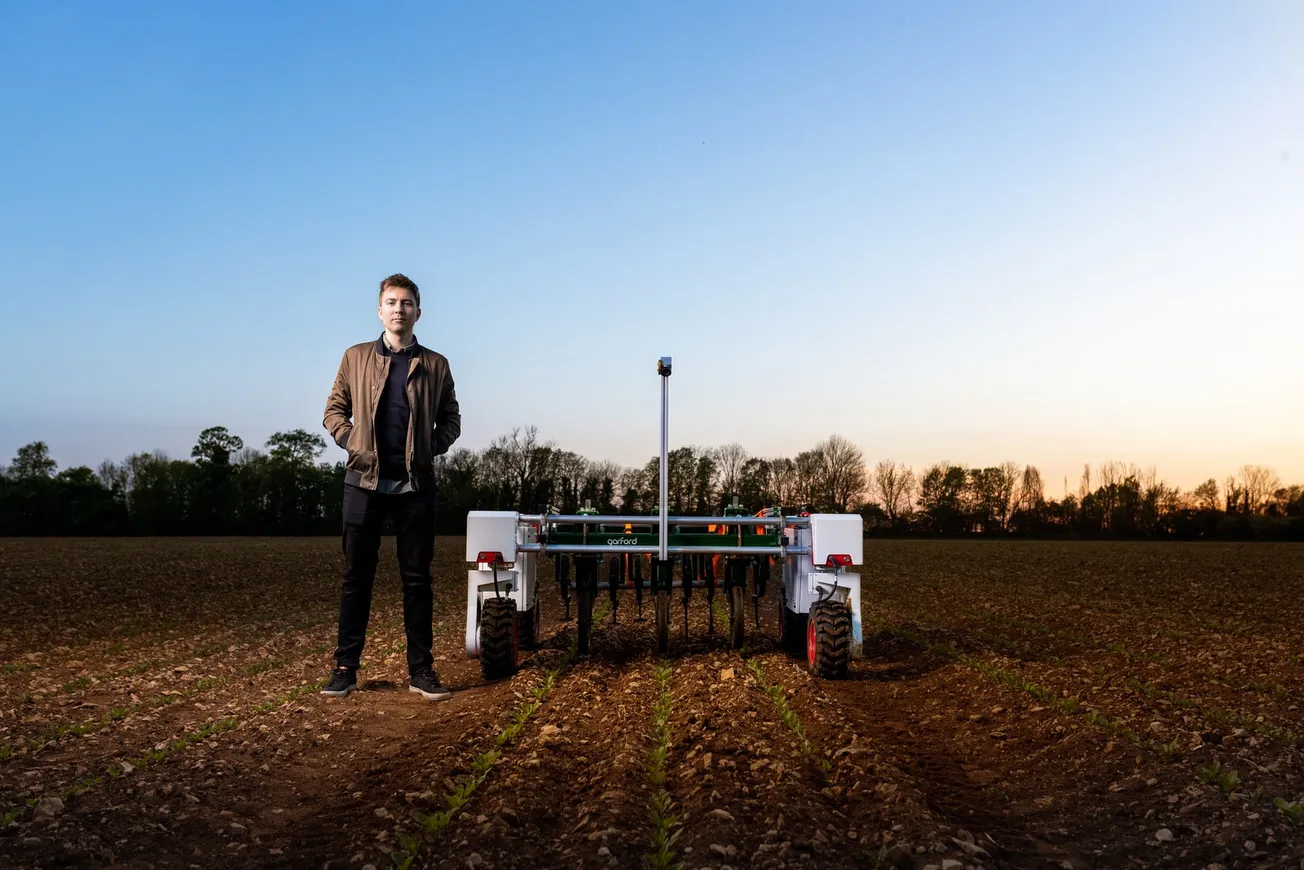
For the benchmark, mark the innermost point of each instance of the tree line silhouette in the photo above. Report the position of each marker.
(227, 488)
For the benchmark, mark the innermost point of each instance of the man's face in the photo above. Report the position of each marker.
(398, 310)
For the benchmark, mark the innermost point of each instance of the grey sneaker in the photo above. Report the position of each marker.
(426, 683)
(342, 681)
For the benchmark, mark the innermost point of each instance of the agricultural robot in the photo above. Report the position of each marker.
(731, 555)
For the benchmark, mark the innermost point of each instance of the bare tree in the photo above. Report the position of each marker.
(729, 461)
(1205, 496)
(1032, 493)
(1234, 495)
(114, 476)
(636, 490)
(1007, 474)
(894, 485)
(1258, 484)
(518, 463)
(807, 471)
(1112, 475)
(840, 474)
(570, 470)
(784, 482)
(1149, 479)
(246, 455)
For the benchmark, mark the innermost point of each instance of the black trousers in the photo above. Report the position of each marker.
(414, 525)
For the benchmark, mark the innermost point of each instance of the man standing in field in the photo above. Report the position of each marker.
(394, 409)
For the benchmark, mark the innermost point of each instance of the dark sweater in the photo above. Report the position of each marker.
(392, 414)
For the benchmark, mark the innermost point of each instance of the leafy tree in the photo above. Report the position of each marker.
(942, 492)
(297, 447)
(754, 488)
(216, 446)
(33, 461)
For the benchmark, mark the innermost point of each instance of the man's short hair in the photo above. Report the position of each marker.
(401, 281)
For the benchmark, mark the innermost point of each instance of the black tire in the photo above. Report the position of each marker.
(792, 629)
(828, 639)
(663, 620)
(499, 638)
(530, 627)
(584, 624)
(737, 617)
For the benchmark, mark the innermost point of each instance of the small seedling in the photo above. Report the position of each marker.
(1227, 780)
(1292, 810)
(15, 667)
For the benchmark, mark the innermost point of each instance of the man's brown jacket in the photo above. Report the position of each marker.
(434, 423)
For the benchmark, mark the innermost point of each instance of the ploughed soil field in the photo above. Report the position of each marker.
(1019, 704)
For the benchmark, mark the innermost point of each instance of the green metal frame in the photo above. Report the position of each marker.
(677, 539)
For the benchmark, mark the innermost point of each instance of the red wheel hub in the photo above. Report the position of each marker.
(810, 639)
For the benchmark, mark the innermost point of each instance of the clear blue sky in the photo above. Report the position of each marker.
(1056, 233)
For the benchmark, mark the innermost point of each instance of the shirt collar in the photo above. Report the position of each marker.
(384, 342)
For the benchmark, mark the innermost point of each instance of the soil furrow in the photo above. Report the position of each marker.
(573, 792)
(1155, 782)
(1136, 688)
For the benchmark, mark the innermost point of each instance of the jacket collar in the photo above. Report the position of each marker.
(383, 348)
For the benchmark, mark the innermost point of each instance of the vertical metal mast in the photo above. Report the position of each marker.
(663, 369)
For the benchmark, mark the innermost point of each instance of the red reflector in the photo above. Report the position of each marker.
(837, 560)
(492, 557)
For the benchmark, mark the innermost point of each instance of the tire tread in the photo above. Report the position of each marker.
(497, 638)
(832, 639)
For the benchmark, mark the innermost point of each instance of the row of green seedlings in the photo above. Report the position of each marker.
(200, 652)
(117, 714)
(1067, 703)
(1275, 690)
(86, 680)
(155, 755)
(1225, 625)
(665, 823)
(122, 646)
(1218, 716)
(431, 825)
(1226, 780)
(779, 698)
(721, 611)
